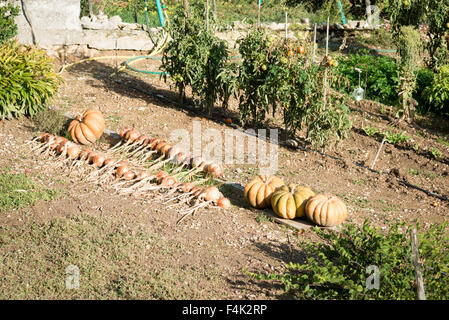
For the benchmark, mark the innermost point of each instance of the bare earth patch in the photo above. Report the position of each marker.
(131, 248)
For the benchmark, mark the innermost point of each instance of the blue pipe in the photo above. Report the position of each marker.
(160, 13)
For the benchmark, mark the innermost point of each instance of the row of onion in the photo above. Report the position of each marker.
(122, 169)
(131, 137)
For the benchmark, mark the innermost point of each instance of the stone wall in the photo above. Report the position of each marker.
(51, 24)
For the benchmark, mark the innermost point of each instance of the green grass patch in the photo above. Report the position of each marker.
(115, 261)
(19, 190)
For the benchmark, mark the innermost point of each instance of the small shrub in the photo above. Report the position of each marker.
(396, 138)
(8, 27)
(27, 80)
(436, 153)
(424, 79)
(195, 57)
(382, 76)
(336, 267)
(438, 94)
(52, 121)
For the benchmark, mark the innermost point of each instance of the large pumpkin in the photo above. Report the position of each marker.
(290, 202)
(87, 127)
(259, 190)
(326, 210)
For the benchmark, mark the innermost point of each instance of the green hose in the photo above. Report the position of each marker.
(144, 71)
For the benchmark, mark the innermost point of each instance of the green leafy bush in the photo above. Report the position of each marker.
(336, 267)
(8, 27)
(52, 121)
(195, 57)
(275, 74)
(438, 94)
(27, 80)
(382, 79)
(424, 79)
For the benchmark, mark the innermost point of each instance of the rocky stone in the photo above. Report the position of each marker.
(46, 15)
(115, 19)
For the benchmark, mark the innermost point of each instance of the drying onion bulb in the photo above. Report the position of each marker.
(73, 151)
(91, 157)
(123, 163)
(214, 169)
(153, 143)
(212, 194)
(142, 175)
(132, 135)
(161, 175)
(224, 203)
(204, 164)
(168, 181)
(43, 137)
(123, 132)
(121, 170)
(98, 160)
(129, 175)
(109, 161)
(187, 187)
(160, 145)
(166, 149)
(141, 139)
(84, 154)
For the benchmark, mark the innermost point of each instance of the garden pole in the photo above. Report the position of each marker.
(378, 152)
(325, 72)
(259, 3)
(418, 273)
(207, 15)
(314, 45)
(214, 4)
(286, 26)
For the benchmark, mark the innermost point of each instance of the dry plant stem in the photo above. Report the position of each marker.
(137, 185)
(194, 209)
(184, 198)
(145, 153)
(137, 150)
(120, 148)
(117, 145)
(185, 216)
(155, 162)
(100, 171)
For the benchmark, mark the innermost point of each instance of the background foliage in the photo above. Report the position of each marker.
(27, 80)
(8, 28)
(335, 268)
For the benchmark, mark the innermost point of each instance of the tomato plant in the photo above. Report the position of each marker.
(275, 74)
(195, 57)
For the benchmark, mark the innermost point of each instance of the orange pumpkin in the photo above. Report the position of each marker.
(258, 191)
(290, 202)
(87, 127)
(326, 210)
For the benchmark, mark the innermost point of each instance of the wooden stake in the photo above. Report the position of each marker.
(286, 25)
(258, 13)
(314, 45)
(378, 152)
(214, 4)
(325, 72)
(207, 15)
(418, 273)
